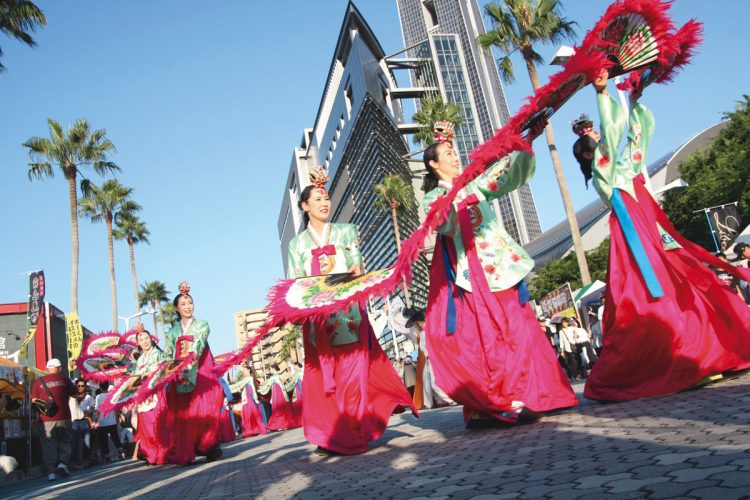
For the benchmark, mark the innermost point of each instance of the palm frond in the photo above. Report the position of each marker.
(155, 291)
(71, 150)
(433, 109)
(505, 65)
(129, 226)
(18, 19)
(394, 191)
(40, 171)
(519, 25)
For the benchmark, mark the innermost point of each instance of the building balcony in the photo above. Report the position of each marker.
(407, 62)
(411, 92)
(409, 128)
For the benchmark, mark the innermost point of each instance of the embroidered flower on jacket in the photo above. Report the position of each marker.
(637, 155)
(490, 269)
(492, 186)
(483, 245)
(636, 129)
(515, 257)
(603, 161)
(352, 325)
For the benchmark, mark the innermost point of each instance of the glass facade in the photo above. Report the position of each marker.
(454, 80)
(470, 79)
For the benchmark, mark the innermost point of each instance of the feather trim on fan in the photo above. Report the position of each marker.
(107, 366)
(106, 356)
(632, 34)
(143, 386)
(99, 343)
(681, 47)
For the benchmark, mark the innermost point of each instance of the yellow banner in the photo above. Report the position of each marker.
(26, 341)
(74, 332)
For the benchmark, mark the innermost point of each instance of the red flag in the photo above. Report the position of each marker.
(40, 347)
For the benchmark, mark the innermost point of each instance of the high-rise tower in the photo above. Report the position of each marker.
(467, 76)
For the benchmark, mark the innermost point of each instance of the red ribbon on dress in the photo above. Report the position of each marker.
(317, 253)
(480, 286)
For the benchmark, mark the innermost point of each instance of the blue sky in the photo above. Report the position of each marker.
(205, 101)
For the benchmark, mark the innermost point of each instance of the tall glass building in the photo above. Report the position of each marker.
(443, 57)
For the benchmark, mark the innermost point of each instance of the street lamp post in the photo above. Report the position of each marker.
(127, 319)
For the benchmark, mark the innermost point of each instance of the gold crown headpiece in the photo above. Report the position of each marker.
(582, 125)
(443, 131)
(184, 288)
(319, 177)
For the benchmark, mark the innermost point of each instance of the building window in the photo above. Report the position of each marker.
(430, 15)
(349, 98)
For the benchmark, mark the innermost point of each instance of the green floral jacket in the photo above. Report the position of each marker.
(612, 169)
(199, 330)
(505, 262)
(345, 239)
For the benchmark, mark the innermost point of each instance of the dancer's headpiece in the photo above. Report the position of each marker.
(319, 177)
(139, 328)
(582, 125)
(442, 131)
(184, 288)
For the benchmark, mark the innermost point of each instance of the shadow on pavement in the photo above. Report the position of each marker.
(659, 446)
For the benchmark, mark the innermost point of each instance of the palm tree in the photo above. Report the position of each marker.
(517, 26)
(289, 344)
(105, 203)
(132, 229)
(80, 147)
(433, 109)
(395, 194)
(167, 314)
(17, 19)
(154, 293)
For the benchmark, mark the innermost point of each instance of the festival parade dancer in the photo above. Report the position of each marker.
(294, 388)
(254, 418)
(153, 433)
(482, 333)
(197, 397)
(281, 408)
(350, 388)
(669, 321)
(227, 431)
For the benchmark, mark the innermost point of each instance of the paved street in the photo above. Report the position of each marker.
(694, 444)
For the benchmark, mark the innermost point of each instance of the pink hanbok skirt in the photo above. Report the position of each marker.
(497, 360)
(349, 392)
(196, 414)
(663, 345)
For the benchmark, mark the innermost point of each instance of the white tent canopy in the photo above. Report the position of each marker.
(589, 293)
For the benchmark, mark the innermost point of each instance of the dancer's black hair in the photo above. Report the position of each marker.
(583, 150)
(430, 179)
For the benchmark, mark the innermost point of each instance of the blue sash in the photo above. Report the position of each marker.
(635, 245)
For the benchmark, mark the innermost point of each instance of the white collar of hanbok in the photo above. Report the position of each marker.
(320, 240)
(186, 328)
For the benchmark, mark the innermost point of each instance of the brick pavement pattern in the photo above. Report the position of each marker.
(695, 444)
